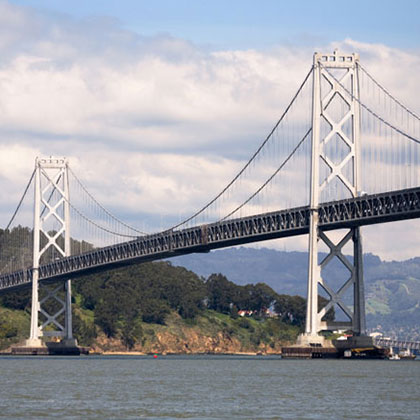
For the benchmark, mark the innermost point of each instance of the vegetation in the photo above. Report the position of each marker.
(133, 304)
(14, 326)
(392, 288)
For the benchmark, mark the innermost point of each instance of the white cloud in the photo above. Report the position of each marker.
(159, 122)
(16, 162)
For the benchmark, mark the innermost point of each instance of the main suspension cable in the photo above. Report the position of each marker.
(249, 161)
(91, 221)
(388, 93)
(270, 178)
(21, 200)
(393, 127)
(103, 208)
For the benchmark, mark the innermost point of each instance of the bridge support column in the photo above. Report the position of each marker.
(317, 318)
(359, 288)
(34, 335)
(51, 237)
(335, 174)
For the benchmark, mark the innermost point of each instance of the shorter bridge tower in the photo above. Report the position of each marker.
(334, 169)
(51, 314)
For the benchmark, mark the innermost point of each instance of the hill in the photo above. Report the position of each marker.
(392, 288)
(141, 307)
(156, 307)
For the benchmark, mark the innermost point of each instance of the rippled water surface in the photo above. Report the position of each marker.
(207, 387)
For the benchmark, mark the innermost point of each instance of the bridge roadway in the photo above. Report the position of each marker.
(359, 211)
(389, 342)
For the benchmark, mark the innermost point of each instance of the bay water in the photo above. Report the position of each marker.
(207, 387)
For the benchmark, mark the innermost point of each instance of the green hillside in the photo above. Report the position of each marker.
(130, 305)
(159, 307)
(392, 288)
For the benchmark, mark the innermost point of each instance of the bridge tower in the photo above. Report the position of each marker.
(335, 125)
(51, 236)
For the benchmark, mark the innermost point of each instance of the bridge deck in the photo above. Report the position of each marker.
(359, 211)
(387, 342)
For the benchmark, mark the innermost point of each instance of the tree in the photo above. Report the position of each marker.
(291, 309)
(220, 292)
(155, 311)
(131, 331)
(117, 303)
(261, 297)
(84, 331)
(17, 300)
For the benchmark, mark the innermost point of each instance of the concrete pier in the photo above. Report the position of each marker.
(62, 348)
(356, 347)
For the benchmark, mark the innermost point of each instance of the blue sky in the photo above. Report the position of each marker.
(164, 101)
(255, 23)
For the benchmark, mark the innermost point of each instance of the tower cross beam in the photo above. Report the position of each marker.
(53, 171)
(336, 250)
(321, 105)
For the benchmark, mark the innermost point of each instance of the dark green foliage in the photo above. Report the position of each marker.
(84, 331)
(261, 297)
(155, 311)
(227, 297)
(7, 328)
(220, 293)
(117, 303)
(120, 301)
(107, 318)
(122, 298)
(148, 292)
(17, 300)
(131, 332)
(291, 309)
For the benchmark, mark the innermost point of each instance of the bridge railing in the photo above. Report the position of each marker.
(402, 344)
(364, 210)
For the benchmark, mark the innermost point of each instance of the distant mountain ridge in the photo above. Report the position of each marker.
(392, 287)
(285, 272)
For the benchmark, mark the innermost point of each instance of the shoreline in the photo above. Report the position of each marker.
(138, 353)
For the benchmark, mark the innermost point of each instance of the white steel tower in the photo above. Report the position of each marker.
(334, 169)
(51, 241)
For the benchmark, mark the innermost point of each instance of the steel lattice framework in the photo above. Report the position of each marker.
(348, 213)
(336, 202)
(51, 208)
(334, 166)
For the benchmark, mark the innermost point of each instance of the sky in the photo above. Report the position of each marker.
(163, 101)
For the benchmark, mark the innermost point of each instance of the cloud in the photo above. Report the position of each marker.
(154, 126)
(146, 93)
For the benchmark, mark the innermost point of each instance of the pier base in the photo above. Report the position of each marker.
(310, 346)
(67, 347)
(360, 347)
(310, 340)
(357, 347)
(298, 352)
(34, 342)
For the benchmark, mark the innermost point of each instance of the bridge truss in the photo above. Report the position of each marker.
(348, 213)
(320, 147)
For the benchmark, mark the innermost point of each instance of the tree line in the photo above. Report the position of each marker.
(121, 300)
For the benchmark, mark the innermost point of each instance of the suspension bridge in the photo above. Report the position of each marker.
(345, 153)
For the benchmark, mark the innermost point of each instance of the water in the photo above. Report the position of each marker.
(207, 387)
